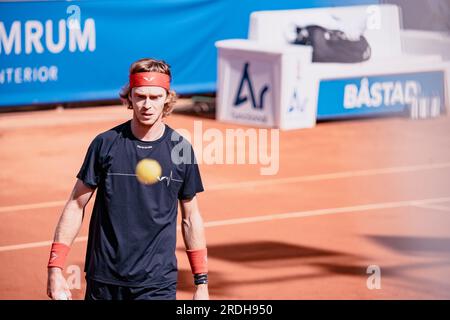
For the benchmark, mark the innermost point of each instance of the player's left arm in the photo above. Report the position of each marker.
(194, 239)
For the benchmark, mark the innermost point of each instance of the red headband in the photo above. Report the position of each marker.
(156, 79)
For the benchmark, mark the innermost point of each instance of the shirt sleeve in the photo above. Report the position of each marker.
(90, 171)
(192, 182)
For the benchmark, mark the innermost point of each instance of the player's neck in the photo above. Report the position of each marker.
(147, 133)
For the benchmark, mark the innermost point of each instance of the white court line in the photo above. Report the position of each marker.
(268, 182)
(290, 215)
(434, 207)
(36, 244)
(330, 176)
(318, 212)
(31, 206)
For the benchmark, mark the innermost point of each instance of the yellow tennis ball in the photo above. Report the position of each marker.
(148, 171)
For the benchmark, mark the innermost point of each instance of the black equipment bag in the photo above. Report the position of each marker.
(332, 45)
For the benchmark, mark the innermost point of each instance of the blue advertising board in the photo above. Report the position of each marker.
(64, 51)
(381, 94)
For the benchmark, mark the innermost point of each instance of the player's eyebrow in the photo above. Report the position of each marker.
(143, 95)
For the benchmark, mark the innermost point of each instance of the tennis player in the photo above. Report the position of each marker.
(132, 233)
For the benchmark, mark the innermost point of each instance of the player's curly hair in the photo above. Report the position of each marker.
(149, 65)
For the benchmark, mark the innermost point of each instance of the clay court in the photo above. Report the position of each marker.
(348, 195)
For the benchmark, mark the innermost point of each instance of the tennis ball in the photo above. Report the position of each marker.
(148, 171)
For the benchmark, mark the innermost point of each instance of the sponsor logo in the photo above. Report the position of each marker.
(256, 102)
(34, 36)
(377, 94)
(297, 104)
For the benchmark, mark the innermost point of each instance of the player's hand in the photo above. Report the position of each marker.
(57, 287)
(201, 292)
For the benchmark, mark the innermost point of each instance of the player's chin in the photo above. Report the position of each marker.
(147, 121)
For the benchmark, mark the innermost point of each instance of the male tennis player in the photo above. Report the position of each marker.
(132, 233)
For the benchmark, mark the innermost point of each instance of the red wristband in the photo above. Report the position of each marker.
(198, 259)
(58, 255)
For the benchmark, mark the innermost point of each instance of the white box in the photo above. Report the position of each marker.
(262, 85)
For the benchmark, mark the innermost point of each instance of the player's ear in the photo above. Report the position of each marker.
(167, 97)
(130, 103)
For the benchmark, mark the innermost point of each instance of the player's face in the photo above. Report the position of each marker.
(148, 103)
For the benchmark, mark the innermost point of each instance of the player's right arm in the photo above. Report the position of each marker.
(69, 225)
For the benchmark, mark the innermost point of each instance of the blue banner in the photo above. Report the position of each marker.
(63, 51)
(381, 94)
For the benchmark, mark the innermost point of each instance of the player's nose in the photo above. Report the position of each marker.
(147, 104)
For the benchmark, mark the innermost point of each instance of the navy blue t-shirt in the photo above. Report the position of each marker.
(132, 233)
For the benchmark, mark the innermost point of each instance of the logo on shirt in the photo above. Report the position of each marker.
(168, 179)
(143, 147)
(160, 179)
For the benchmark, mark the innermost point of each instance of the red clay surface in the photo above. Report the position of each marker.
(348, 195)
